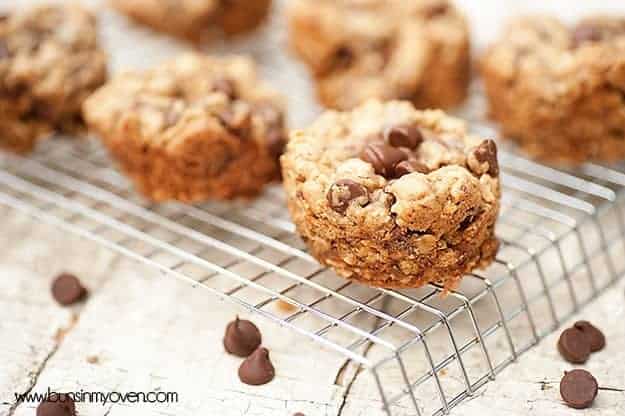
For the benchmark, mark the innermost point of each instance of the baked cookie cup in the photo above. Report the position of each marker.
(394, 197)
(192, 129)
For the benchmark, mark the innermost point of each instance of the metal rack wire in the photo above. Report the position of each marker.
(562, 237)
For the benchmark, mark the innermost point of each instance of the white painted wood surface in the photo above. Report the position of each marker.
(151, 332)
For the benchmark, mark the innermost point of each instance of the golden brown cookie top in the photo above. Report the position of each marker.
(191, 92)
(556, 58)
(390, 162)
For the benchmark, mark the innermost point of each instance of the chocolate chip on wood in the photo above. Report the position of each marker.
(594, 335)
(57, 404)
(242, 337)
(257, 369)
(574, 346)
(68, 290)
(578, 389)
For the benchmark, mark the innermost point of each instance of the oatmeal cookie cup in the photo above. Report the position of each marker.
(196, 20)
(50, 61)
(192, 129)
(415, 50)
(394, 197)
(559, 91)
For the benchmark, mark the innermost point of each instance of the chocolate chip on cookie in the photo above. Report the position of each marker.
(226, 87)
(594, 335)
(275, 142)
(4, 50)
(343, 192)
(403, 136)
(584, 33)
(578, 389)
(486, 152)
(410, 166)
(435, 10)
(383, 158)
(574, 346)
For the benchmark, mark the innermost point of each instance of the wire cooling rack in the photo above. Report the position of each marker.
(562, 243)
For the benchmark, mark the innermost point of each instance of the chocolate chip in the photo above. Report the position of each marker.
(343, 192)
(486, 152)
(238, 123)
(67, 289)
(574, 346)
(343, 58)
(242, 337)
(403, 136)
(383, 158)
(299, 414)
(226, 87)
(586, 33)
(4, 50)
(171, 117)
(57, 404)
(268, 112)
(275, 142)
(409, 166)
(594, 335)
(436, 10)
(578, 389)
(257, 368)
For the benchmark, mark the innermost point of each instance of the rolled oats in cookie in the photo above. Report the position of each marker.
(558, 90)
(196, 19)
(50, 61)
(392, 196)
(415, 50)
(194, 128)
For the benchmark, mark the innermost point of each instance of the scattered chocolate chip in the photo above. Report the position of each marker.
(578, 389)
(257, 368)
(67, 289)
(410, 166)
(4, 17)
(242, 337)
(594, 335)
(299, 414)
(57, 404)
(403, 136)
(383, 158)
(586, 33)
(486, 152)
(574, 346)
(226, 87)
(343, 192)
